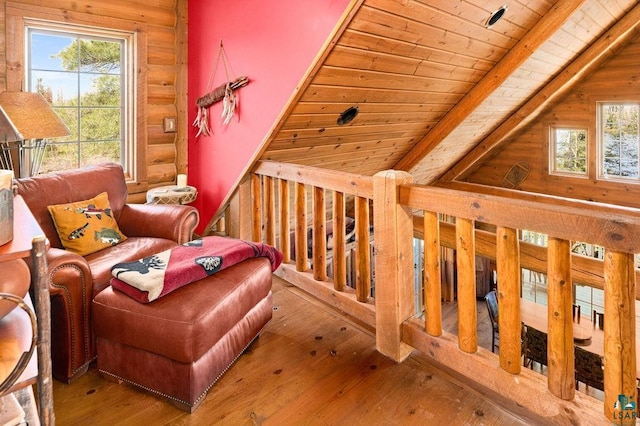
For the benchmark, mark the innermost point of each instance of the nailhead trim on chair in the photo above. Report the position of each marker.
(85, 331)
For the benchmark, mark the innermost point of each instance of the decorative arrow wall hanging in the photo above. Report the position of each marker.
(225, 93)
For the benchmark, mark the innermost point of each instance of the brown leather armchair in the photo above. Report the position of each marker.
(74, 280)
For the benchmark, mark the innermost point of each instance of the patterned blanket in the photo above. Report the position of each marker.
(154, 276)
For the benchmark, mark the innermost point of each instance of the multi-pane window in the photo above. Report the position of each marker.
(85, 75)
(569, 150)
(619, 140)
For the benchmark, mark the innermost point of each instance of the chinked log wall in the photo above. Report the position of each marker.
(401, 211)
(161, 71)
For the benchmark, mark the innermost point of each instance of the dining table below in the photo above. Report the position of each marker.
(585, 333)
(535, 315)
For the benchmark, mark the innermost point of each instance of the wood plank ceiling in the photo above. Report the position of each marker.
(432, 83)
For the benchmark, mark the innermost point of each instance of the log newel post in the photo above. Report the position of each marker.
(560, 319)
(432, 275)
(619, 336)
(509, 322)
(466, 268)
(393, 239)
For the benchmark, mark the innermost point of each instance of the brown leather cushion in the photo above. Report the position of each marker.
(186, 323)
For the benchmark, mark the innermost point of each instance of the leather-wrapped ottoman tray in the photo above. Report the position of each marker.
(179, 345)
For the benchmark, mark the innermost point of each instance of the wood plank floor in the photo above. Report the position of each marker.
(310, 366)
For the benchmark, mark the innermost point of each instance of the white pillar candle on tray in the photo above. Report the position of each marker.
(182, 181)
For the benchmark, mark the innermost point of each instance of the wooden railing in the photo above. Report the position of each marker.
(398, 206)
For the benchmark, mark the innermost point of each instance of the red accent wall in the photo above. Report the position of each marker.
(271, 42)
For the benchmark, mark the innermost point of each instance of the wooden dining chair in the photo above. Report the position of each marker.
(491, 300)
(576, 313)
(535, 347)
(589, 368)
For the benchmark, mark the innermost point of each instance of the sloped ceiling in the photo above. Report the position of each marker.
(434, 87)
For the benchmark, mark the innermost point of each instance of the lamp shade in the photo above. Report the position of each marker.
(28, 116)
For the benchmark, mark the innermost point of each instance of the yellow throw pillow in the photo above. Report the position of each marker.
(84, 227)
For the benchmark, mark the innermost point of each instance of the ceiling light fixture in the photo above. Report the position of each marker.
(347, 115)
(495, 17)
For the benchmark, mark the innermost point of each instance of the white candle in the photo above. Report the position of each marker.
(5, 179)
(182, 181)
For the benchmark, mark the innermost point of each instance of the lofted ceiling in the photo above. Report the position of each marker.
(436, 90)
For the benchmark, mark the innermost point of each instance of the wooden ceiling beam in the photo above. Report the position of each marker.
(588, 61)
(540, 33)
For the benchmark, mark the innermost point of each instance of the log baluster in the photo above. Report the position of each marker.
(339, 243)
(319, 252)
(466, 266)
(432, 277)
(301, 227)
(509, 322)
(560, 319)
(363, 250)
(619, 333)
(284, 226)
(270, 210)
(256, 208)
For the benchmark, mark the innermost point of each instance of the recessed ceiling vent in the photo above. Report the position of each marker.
(347, 115)
(496, 16)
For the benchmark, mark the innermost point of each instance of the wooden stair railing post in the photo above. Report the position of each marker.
(619, 334)
(509, 322)
(339, 256)
(393, 239)
(301, 227)
(269, 210)
(256, 208)
(284, 226)
(319, 235)
(432, 276)
(561, 380)
(466, 272)
(244, 211)
(363, 250)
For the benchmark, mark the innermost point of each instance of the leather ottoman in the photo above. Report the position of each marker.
(179, 345)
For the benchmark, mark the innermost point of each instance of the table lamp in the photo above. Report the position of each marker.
(26, 116)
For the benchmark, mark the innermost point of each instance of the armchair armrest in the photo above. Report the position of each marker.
(71, 288)
(65, 267)
(170, 221)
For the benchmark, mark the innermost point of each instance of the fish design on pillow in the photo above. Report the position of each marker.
(79, 232)
(92, 210)
(108, 236)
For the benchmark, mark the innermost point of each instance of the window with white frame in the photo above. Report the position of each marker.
(87, 76)
(568, 151)
(618, 140)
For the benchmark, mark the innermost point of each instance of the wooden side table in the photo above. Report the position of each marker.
(172, 195)
(29, 240)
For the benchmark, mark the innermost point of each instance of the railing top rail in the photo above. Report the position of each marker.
(334, 180)
(614, 228)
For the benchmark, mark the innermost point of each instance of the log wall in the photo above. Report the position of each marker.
(615, 80)
(161, 26)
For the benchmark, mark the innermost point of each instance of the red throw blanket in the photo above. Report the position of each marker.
(154, 276)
